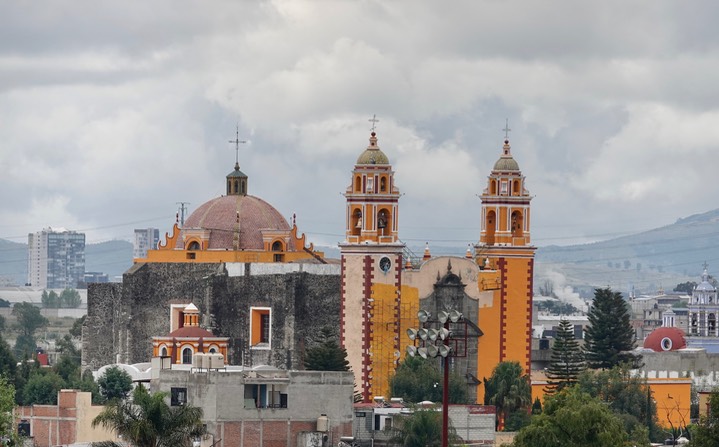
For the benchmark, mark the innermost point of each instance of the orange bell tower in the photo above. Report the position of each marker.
(371, 263)
(506, 258)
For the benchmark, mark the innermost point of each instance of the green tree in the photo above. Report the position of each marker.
(706, 432)
(29, 319)
(2, 324)
(567, 360)
(76, 329)
(686, 287)
(417, 379)
(509, 390)
(4, 303)
(421, 428)
(49, 300)
(69, 298)
(42, 388)
(7, 405)
(327, 355)
(115, 383)
(25, 347)
(572, 418)
(629, 397)
(7, 360)
(609, 338)
(148, 421)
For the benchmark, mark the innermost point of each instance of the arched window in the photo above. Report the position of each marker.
(493, 187)
(358, 184)
(383, 184)
(517, 224)
(515, 188)
(163, 351)
(356, 223)
(490, 227)
(243, 187)
(237, 187)
(213, 350)
(383, 222)
(194, 245)
(278, 247)
(187, 356)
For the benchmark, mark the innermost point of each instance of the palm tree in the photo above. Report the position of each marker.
(148, 421)
(508, 389)
(421, 428)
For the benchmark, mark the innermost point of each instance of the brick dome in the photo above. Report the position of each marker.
(223, 216)
(665, 339)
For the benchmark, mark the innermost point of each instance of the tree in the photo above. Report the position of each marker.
(567, 360)
(49, 300)
(42, 388)
(76, 329)
(28, 318)
(509, 390)
(7, 360)
(628, 397)
(328, 355)
(25, 347)
(69, 298)
(7, 405)
(417, 379)
(706, 432)
(148, 421)
(115, 383)
(422, 428)
(686, 287)
(2, 324)
(609, 338)
(572, 418)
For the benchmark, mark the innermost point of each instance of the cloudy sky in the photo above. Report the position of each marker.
(111, 114)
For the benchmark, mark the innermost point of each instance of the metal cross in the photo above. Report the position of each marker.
(506, 129)
(374, 122)
(237, 142)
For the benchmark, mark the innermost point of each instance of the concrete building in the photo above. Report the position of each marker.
(145, 239)
(264, 406)
(68, 422)
(56, 259)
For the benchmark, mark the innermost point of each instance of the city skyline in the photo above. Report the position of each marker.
(112, 114)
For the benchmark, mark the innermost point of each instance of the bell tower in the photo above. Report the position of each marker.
(506, 260)
(371, 262)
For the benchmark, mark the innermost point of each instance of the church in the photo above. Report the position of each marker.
(250, 277)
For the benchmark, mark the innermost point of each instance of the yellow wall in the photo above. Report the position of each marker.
(383, 344)
(213, 256)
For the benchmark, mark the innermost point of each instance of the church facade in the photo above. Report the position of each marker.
(260, 285)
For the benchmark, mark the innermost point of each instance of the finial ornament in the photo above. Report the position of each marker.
(237, 142)
(506, 129)
(374, 122)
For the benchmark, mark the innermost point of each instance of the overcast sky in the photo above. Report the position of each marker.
(112, 112)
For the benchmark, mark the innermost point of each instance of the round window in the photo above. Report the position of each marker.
(666, 343)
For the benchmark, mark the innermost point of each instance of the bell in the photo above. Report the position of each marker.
(359, 224)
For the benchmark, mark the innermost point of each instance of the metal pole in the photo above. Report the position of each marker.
(445, 396)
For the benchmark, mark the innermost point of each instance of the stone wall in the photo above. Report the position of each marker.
(123, 318)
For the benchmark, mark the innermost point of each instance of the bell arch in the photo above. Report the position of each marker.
(490, 226)
(517, 224)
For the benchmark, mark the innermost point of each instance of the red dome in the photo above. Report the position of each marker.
(191, 332)
(665, 339)
(224, 215)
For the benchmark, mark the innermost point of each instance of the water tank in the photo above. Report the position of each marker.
(198, 360)
(323, 423)
(216, 361)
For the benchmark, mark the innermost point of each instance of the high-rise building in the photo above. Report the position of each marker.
(56, 258)
(145, 239)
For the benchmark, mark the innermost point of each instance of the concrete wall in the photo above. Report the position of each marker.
(123, 318)
(700, 366)
(310, 395)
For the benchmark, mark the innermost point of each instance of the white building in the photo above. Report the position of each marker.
(56, 258)
(145, 239)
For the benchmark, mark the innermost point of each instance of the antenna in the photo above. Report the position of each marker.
(183, 208)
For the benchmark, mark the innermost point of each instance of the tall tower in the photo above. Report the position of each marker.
(506, 258)
(371, 273)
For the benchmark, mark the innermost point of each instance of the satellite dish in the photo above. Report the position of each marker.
(422, 352)
(423, 316)
(432, 351)
(412, 333)
(442, 316)
(411, 351)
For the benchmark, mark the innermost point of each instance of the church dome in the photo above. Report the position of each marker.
(506, 162)
(665, 339)
(373, 155)
(221, 218)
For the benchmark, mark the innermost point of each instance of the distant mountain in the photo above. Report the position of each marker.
(681, 247)
(112, 257)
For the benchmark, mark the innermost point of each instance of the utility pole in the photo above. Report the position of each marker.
(183, 208)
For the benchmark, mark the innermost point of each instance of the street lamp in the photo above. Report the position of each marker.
(435, 342)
